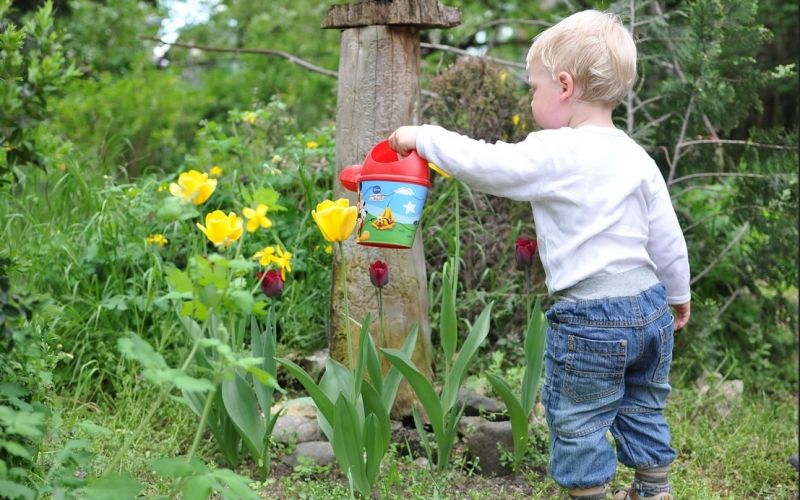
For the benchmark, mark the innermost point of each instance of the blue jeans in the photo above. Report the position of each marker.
(606, 368)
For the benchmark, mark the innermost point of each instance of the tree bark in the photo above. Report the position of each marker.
(379, 91)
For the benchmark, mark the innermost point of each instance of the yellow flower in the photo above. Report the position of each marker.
(257, 218)
(335, 219)
(249, 117)
(284, 261)
(515, 120)
(265, 256)
(193, 186)
(221, 229)
(312, 145)
(215, 171)
(328, 249)
(274, 255)
(503, 76)
(157, 239)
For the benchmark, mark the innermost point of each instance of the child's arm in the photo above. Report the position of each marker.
(667, 247)
(515, 171)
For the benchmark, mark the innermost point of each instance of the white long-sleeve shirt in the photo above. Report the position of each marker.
(600, 204)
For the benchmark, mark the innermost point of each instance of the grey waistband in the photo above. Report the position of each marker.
(613, 285)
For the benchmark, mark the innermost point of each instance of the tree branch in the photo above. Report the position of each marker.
(719, 174)
(739, 235)
(731, 141)
(456, 50)
(267, 52)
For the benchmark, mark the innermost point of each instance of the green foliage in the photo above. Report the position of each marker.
(196, 481)
(482, 100)
(33, 70)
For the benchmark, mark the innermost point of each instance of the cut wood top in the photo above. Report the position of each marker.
(421, 13)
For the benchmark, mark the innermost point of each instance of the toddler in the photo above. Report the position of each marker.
(613, 252)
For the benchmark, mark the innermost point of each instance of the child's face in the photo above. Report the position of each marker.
(548, 104)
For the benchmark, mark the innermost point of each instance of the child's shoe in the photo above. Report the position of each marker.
(630, 494)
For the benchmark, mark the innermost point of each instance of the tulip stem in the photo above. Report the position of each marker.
(380, 316)
(346, 307)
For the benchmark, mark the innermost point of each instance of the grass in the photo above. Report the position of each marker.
(739, 455)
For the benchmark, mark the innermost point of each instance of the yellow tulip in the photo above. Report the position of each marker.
(257, 218)
(335, 219)
(193, 186)
(221, 229)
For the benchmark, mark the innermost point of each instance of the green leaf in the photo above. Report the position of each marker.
(465, 356)
(243, 300)
(373, 364)
(16, 449)
(134, 348)
(535, 339)
(421, 386)
(191, 384)
(324, 405)
(448, 323)
(263, 344)
(517, 415)
(178, 280)
(393, 377)
(198, 487)
(94, 429)
(111, 487)
(14, 490)
(358, 375)
(240, 403)
(377, 431)
(177, 467)
(348, 444)
(238, 487)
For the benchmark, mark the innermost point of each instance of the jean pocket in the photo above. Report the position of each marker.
(594, 368)
(666, 341)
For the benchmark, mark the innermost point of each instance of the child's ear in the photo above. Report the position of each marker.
(566, 85)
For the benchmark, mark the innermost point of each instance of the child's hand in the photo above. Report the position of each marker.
(682, 313)
(404, 140)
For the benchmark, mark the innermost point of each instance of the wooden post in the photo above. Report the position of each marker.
(379, 91)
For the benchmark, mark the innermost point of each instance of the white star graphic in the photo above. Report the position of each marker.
(410, 207)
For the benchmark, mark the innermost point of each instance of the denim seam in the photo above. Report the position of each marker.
(637, 411)
(585, 432)
(574, 320)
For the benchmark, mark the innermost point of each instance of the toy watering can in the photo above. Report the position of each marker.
(391, 196)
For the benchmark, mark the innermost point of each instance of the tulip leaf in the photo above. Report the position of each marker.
(535, 338)
(348, 443)
(516, 414)
(358, 375)
(393, 377)
(465, 356)
(373, 363)
(421, 385)
(324, 404)
(240, 403)
(378, 429)
(263, 344)
(448, 323)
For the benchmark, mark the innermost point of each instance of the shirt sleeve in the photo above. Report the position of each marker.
(514, 171)
(667, 246)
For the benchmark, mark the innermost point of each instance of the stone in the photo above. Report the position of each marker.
(320, 452)
(724, 394)
(476, 404)
(485, 442)
(296, 428)
(299, 407)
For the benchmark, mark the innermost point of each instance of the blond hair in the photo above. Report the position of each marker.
(595, 48)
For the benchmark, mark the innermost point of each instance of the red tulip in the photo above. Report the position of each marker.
(379, 273)
(524, 251)
(271, 282)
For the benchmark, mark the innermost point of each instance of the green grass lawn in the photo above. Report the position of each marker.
(739, 455)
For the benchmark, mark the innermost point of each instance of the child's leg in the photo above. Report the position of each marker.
(583, 386)
(640, 430)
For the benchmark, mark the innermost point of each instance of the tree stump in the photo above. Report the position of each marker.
(379, 91)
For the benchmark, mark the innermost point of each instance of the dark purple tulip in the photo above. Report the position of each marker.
(524, 252)
(271, 283)
(379, 273)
